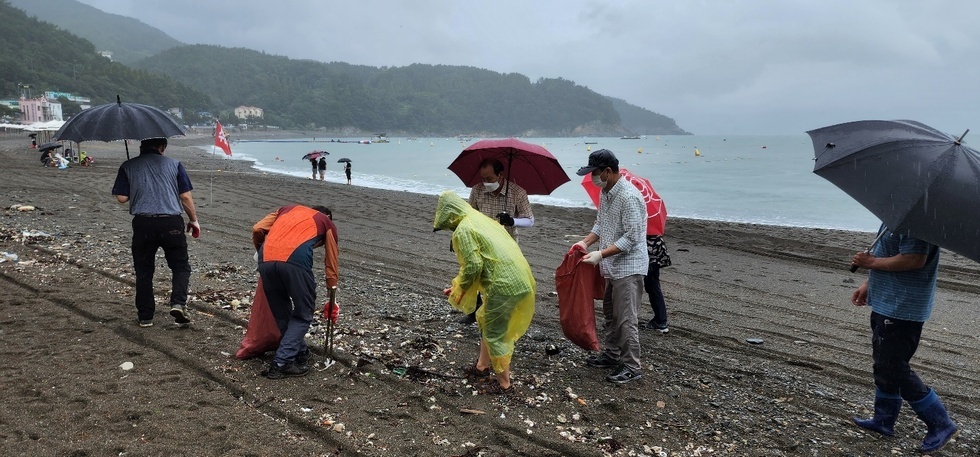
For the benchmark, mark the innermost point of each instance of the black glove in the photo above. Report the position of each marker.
(505, 219)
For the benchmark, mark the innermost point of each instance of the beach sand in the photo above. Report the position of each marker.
(67, 322)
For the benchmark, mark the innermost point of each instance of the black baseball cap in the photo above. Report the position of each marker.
(599, 160)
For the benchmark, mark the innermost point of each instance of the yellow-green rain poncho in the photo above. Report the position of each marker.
(489, 262)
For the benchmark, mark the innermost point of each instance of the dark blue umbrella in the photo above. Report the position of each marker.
(914, 178)
(119, 121)
(345, 159)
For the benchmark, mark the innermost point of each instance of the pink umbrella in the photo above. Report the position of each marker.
(656, 210)
(528, 165)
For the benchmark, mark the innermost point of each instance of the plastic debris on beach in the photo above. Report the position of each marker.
(754, 340)
(8, 257)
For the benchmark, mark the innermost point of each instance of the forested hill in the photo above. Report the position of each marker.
(128, 39)
(645, 122)
(44, 57)
(421, 99)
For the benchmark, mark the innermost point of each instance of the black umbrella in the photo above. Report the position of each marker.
(49, 146)
(345, 159)
(119, 121)
(916, 179)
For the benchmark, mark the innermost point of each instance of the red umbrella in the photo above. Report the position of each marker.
(528, 165)
(656, 210)
(315, 155)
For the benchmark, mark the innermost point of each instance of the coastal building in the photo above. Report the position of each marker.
(13, 105)
(176, 112)
(39, 109)
(83, 102)
(245, 112)
(106, 54)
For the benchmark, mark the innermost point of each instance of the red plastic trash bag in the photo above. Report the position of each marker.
(578, 284)
(262, 334)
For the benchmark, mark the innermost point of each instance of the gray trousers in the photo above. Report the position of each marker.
(619, 305)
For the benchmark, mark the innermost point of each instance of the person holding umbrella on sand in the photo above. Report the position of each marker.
(900, 288)
(490, 264)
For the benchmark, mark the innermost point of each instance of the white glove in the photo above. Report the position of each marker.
(585, 247)
(592, 258)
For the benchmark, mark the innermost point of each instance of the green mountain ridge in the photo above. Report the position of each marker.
(127, 38)
(46, 58)
(417, 99)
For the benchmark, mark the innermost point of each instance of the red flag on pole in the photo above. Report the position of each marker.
(220, 140)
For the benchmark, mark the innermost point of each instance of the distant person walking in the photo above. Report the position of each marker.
(284, 241)
(347, 172)
(620, 229)
(900, 288)
(322, 167)
(157, 187)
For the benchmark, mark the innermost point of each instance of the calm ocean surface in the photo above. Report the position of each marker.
(757, 179)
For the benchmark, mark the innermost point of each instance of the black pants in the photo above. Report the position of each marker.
(893, 343)
(651, 283)
(150, 234)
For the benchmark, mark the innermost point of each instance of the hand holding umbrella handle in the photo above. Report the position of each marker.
(854, 267)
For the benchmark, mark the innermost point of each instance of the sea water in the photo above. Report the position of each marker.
(755, 179)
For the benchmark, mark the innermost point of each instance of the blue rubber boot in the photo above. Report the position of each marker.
(941, 428)
(887, 407)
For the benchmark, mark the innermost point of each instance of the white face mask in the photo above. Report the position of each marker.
(490, 186)
(598, 182)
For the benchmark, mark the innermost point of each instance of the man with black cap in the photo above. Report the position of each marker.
(620, 230)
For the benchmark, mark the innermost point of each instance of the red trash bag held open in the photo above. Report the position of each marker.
(579, 285)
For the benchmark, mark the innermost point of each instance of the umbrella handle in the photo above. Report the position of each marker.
(854, 267)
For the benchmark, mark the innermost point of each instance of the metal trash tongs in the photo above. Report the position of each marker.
(328, 339)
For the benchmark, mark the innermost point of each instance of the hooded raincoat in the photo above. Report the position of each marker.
(489, 262)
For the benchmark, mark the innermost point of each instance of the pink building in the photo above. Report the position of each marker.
(39, 110)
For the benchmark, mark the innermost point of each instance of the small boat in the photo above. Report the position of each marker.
(634, 137)
(381, 138)
(591, 142)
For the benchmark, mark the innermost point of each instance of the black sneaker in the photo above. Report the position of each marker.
(652, 325)
(288, 370)
(303, 358)
(180, 315)
(602, 361)
(623, 375)
(468, 319)
(146, 323)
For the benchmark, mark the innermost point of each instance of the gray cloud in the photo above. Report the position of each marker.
(765, 66)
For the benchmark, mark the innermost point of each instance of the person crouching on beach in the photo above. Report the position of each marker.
(620, 230)
(490, 264)
(284, 241)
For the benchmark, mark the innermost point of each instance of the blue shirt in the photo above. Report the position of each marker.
(906, 295)
(153, 183)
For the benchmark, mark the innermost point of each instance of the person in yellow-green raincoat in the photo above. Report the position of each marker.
(490, 262)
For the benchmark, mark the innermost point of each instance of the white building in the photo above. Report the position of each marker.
(245, 112)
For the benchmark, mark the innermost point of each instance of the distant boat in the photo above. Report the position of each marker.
(634, 137)
(381, 138)
(591, 142)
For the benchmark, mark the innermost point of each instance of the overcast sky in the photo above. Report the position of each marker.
(717, 67)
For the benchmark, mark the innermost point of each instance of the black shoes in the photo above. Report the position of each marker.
(602, 361)
(289, 370)
(623, 375)
(652, 325)
(180, 315)
(303, 358)
(468, 319)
